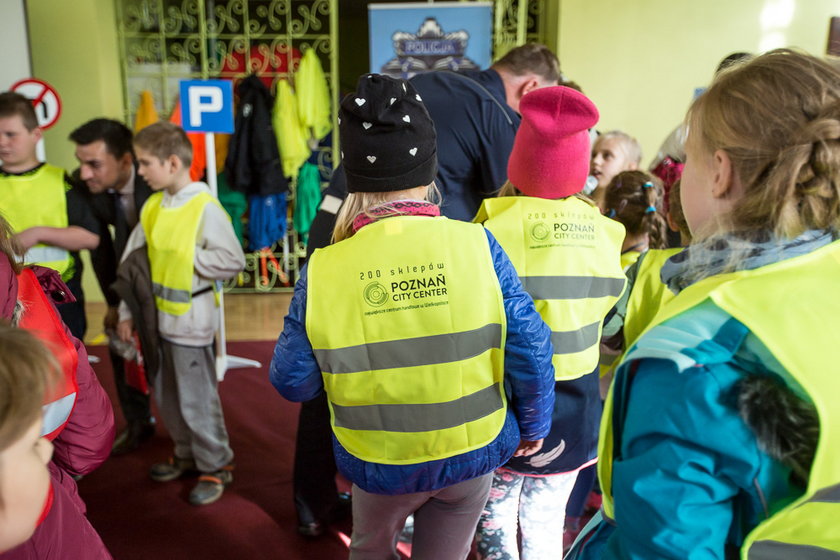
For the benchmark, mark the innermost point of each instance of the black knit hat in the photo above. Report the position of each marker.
(388, 140)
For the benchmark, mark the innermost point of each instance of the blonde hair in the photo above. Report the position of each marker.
(163, 139)
(9, 246)
(631, 145)
(27, 372)
(777, 117)
(362, 203)
(634, 198)
(675, 210)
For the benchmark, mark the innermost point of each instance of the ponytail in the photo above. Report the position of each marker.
(634, 198)
(653, 222)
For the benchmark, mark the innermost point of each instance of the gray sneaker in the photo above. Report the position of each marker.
(173, 468)
(211, 486)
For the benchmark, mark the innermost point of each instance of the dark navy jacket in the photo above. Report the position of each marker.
(529, 382)
(475, 131)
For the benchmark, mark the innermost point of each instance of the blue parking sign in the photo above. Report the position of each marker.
(207, 106)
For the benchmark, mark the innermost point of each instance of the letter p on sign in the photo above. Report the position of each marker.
(207, 106)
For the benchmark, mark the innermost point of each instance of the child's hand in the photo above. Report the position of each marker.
(527, 448)
(124, 330)
(28, 238)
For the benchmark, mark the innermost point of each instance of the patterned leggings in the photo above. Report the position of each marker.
(537, 505)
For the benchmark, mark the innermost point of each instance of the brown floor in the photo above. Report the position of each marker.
(247, 317)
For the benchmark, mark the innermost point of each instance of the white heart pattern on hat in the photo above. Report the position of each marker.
(342, 154)
(407, 118)
(339, 120)
(366, 125)
(413, 151)
(404, 87)
(417, 96)
(360, 101)
(371, 159)
(392, 101)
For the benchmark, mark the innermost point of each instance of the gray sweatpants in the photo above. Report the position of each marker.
(188, 398)
(444, 521)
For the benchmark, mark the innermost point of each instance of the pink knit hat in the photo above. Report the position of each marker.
(550, 157)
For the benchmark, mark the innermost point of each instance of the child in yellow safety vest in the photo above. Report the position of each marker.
(436, 366)
(52, 222)
(721, 428)
(191, 246)
(567, 256)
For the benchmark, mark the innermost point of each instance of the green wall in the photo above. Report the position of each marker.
(640, 61)
(74, 48)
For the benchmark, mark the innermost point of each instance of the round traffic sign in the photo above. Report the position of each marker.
(45, 100)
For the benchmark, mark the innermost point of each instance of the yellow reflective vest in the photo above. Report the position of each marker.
(38, 199)
(407, 324)
(629, 258)
(567, 256)
(793, 308)
(171, 236)
(648, 294)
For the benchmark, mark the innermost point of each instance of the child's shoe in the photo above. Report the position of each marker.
(211, 486)
(173, 468)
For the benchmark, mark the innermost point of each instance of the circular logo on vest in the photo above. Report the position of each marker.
(540, 231)
(375, 294)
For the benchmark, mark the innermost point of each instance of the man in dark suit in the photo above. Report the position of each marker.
(107, 177)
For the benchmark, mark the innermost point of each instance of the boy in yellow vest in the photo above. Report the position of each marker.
(191, 245)
(52, 222)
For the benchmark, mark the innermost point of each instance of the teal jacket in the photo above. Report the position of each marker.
(689, 478)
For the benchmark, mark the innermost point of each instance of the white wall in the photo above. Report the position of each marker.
(14, 45)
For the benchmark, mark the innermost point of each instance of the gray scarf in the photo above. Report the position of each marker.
(733, 252)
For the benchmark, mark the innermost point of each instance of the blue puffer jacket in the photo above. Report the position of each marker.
(529, 382)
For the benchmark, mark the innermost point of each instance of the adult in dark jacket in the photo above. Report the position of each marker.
(107, 178)
(476, 118)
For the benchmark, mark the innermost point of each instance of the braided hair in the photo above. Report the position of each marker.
(634, 198)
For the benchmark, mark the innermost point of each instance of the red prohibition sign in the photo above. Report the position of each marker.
(45, 100)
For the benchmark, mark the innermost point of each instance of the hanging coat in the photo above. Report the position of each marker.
(266, 220)
(313, 96)
(199, 148)
(307, 199)
(146, 112)
(253, 161)
(291, 137)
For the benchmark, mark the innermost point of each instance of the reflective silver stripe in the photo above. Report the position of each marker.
(408, 352)
(774, 550)
(171, 294)
(45, 254)
(56, 413)
(830, 495)
(420, 417)
(569, 342)
(571, 287)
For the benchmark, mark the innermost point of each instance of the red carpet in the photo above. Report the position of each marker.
(255, 519)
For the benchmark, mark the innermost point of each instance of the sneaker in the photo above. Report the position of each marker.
(211, 486)
(173, 468)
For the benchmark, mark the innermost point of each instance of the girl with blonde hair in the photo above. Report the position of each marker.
(436, 366)
(722, 425)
